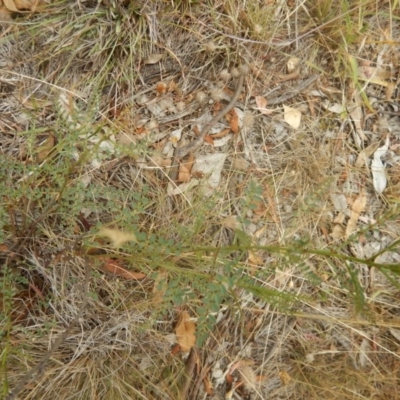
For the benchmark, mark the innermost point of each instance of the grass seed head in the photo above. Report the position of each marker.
(201, 97)
(225, 75)
(235, 72)
(210, 47)
(217, 94)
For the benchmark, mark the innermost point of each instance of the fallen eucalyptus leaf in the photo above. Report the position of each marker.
(378, 169)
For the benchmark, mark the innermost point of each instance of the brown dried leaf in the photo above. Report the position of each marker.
(234, 122)
(20, 5)
(113, 267)
(185, 170)
(185, 332)
(175, 349)
(10, 5)
(209, 139)
(5, 14)
(358, 207)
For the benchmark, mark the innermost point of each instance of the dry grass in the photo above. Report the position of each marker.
(287, 306)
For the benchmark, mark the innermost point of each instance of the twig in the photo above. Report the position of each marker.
(293, 92)
(190, 364)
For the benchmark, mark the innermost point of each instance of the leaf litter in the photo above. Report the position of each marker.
(318, 180)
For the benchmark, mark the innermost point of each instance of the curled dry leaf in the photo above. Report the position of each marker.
(114, 268)
(209, 139)
(185, 332)
(117, 237)
(261, 103)
(153, 58)
(292, 116)
(220, 134)
(185, 170)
